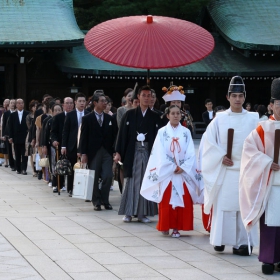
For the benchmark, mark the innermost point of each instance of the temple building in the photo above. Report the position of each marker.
(42, 51)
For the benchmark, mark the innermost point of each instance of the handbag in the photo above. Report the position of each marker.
(78, 164)
(83, 184)
(44, 162)
(37, 166)
(63, 166)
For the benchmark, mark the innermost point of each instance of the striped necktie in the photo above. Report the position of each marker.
(99, 118)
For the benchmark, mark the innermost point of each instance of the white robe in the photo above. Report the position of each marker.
(172, 147)
(259, 185)
(221, 183)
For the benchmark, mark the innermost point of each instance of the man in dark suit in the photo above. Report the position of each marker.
(208, 115)
(5, 133)
(58, 124)
(17, 134)
(98, 133)
(72, 123)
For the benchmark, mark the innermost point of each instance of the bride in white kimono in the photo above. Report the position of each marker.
(171, 178)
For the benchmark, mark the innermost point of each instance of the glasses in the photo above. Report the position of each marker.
(103, 101)
(277, 103)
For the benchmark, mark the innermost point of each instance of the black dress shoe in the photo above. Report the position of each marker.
(70, 193)
(108, 207)
(267, 268)
(13, 169)
(18, 172)
(23, 173)
(97, 208)
(6, 165)
(242, 250)
(219, 248)
(87, 200)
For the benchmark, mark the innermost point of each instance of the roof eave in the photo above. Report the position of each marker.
(42, 44)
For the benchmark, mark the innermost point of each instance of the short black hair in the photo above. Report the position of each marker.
(79, 94)
(219, 108)
(146, 87)
(96, 96)
(207, 101)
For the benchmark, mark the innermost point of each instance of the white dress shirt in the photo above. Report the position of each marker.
(20, 113)
(80, 114)
(210, 115)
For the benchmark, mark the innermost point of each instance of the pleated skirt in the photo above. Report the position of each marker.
(132, 203)
(180, 218)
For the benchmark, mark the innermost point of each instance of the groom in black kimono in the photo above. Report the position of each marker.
(137, 132)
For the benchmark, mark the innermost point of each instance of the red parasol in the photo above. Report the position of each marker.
(149, 42)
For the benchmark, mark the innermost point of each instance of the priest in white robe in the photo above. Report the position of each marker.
(260, 185)
(221, 173)
(171, 178)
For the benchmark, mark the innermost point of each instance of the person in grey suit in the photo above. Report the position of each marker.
(98, 134)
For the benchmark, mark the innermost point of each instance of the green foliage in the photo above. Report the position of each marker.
(91, 12)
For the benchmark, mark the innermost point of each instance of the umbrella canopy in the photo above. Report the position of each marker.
(149, 42)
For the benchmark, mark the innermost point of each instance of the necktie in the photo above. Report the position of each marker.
(99, 118)
(80, 119)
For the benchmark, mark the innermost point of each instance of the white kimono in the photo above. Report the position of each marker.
(221, 183)
(172, 147)
(259, 185)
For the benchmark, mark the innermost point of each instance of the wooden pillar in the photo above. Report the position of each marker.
(21, 81)
(9, 81)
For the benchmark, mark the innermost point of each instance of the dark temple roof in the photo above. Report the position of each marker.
(221, 62)
(38, 23)
(248, 24)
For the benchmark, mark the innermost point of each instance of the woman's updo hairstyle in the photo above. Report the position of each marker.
(168, 109)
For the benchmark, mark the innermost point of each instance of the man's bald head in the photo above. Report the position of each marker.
(19, 104)
(68, 104)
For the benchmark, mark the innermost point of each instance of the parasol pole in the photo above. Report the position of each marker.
(148, 77)
(58, 177)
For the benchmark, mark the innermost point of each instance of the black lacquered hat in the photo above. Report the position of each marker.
(275, 89)
(236, 85)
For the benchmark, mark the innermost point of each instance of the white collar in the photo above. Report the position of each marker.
(144, 113)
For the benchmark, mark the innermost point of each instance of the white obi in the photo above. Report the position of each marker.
(272, 211)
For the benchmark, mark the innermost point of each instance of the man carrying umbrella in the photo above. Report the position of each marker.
(137, 133)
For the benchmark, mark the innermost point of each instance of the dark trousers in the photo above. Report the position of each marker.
(72, 157)
(21, 159)
(102, 164)
(269, 243)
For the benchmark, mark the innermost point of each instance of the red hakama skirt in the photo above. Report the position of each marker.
(180, 218)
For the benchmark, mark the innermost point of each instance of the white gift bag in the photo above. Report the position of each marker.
(38, 167)
(83, 184)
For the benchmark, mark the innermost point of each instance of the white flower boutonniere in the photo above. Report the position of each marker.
(110, 123)
(127, 123)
